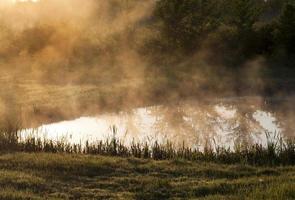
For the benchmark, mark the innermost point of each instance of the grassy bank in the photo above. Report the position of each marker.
(64, 176)
(277, 152)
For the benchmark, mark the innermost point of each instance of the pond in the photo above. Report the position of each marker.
(223, 122)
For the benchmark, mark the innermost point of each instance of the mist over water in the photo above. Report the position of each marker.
(189, 123)
(72, 68)
(84, 58)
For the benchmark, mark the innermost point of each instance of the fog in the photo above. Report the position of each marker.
(73, 46)
(62, 59)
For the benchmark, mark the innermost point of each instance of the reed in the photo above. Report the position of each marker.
(278, 151)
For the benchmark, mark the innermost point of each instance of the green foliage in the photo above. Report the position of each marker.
(233, 31)
(287, 28)
(243, 14)
(185, 23)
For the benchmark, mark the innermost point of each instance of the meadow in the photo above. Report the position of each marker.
(64, 176)
(36, 168)
(63, 59)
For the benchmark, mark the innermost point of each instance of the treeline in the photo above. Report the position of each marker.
(232, 31)
(170, 46)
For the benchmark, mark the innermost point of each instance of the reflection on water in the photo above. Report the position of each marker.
(194, 123)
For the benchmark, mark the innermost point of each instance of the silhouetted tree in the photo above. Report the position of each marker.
(287, 28)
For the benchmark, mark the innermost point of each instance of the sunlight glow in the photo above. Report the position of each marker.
(19, 1)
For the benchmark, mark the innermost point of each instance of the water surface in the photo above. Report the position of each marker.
(224, 122)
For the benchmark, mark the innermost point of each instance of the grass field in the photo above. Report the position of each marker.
(64, 176)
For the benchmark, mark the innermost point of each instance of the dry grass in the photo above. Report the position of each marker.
(64, 176)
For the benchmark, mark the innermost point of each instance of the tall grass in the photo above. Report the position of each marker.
(277, 152)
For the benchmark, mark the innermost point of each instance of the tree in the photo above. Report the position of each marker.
(184, 23)
(287, 29)
(240, 17)
(244, 13)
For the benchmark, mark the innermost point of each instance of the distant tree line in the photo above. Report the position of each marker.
(113, 39)
(233, 30)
